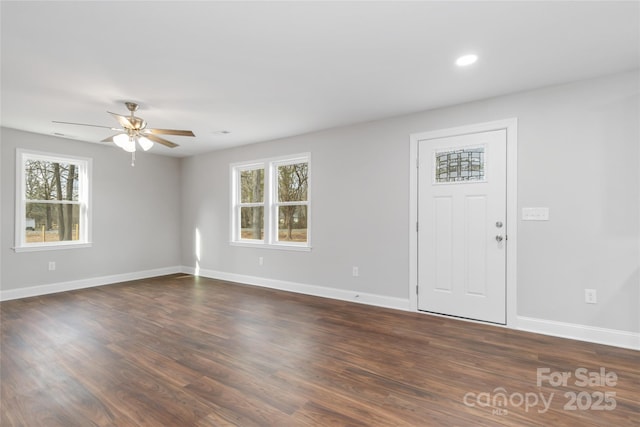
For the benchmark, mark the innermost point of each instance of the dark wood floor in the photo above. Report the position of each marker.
(186, 351)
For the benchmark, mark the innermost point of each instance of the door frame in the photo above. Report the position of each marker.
(511, 127)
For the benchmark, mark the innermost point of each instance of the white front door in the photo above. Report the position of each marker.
(462, 226)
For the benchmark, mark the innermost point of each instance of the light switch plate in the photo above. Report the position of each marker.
(535, 214)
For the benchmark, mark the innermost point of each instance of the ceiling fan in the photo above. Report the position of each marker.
(134, 131)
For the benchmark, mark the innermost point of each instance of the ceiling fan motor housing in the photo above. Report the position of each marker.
(137, 123)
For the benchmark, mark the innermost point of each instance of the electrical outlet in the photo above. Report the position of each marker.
(52, 265)
(590, 296)
(260, 260)
(355, 271)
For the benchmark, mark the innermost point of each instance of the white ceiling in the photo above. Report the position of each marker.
(265, 70)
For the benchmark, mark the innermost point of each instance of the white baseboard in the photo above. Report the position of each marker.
(319, 291)
(574, 331)
(33, 291)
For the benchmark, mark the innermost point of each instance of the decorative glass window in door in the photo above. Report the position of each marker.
(462, 165)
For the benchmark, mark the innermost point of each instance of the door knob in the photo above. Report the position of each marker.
(499, 238)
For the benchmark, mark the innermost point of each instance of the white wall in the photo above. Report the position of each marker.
(136, 216)
(578, 155)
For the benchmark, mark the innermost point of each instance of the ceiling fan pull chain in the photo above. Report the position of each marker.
(133, 159)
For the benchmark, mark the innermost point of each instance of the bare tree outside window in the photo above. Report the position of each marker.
(252, 204)
(52, 208)
(292, 190)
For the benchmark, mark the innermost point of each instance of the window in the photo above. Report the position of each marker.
(460, 165)
(251, 203)
(270, 203)
(52, 206)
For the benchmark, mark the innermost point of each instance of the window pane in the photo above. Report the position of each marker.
(460, 165)
(252, 223)
(292, 223)
(51, 180)
(292, 182)
(51, 222)
(252, 186)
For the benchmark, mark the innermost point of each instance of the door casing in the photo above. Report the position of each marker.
(511, 127)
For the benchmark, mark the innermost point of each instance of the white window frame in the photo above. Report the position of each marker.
(270, 203)
(84, 201)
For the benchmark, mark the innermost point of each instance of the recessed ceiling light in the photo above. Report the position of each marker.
(466, 60)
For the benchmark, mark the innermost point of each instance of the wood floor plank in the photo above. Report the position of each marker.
(181, 351)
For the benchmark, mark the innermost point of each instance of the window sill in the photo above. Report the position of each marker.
(281, 246)
(52, 247)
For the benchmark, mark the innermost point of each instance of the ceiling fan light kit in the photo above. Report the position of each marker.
(134, 132)
(125, 142)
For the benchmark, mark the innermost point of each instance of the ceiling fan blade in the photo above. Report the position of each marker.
(160, 140)
(123, 120)
(84, 124)
(169, 132)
